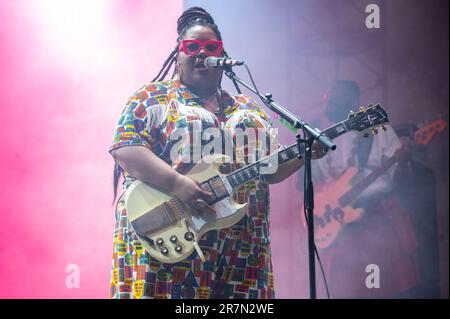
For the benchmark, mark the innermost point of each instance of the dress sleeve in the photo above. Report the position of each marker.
(251, 130)
(135, 126)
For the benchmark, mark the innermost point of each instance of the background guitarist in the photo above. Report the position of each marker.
(384, 234)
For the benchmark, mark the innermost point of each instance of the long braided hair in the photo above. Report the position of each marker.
(191, 17)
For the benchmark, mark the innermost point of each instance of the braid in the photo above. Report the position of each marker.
(117, 172)
(169, 61)
(167, 69)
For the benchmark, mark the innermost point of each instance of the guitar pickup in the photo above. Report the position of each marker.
(217, 186)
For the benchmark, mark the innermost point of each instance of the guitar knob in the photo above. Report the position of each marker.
(173, 239)
(365, 135)
(374, 131)
(189, 236)
(383, 128)
(159, 241)
(164, 251)
(178, 249)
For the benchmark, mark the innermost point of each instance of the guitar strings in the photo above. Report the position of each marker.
(239, 176)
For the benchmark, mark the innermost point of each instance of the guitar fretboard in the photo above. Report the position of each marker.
(357, 189)
(255, 170)
(359, 121)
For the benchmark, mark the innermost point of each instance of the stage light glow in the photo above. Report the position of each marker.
(72, 29)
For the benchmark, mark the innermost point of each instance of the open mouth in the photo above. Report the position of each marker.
(200, 65)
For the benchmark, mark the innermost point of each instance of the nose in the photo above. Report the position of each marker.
(202, 53)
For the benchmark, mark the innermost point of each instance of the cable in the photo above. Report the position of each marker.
(318, 259)
(254, 85)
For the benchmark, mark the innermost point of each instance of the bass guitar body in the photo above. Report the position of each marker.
(330, 214)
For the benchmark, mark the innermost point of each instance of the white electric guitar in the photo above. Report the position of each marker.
(170, 230)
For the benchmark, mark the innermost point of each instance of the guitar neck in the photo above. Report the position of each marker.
(253, 171)
(359, 187)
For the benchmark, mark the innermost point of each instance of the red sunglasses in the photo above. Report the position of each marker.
(193, 47)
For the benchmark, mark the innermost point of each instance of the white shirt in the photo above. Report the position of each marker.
(335, 163)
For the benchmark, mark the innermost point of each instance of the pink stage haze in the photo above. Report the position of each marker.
(67, 69)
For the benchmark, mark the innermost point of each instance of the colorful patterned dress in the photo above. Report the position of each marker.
(238, 259)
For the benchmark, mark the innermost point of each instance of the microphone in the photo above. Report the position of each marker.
(215, 62)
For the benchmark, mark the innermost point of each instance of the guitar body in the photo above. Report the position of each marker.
(330, 215)
(155, 217)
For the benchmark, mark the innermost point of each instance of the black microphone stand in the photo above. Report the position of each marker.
(310, 135)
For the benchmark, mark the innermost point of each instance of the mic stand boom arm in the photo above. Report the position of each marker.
(285, 114)
(310, 134)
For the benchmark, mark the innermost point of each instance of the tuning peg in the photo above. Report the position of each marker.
(365, 135)
(362, 109)
(383, 128)
(351, 114)
(374, 131)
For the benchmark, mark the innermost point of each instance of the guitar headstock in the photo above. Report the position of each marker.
(370, 118)
(425, 134)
